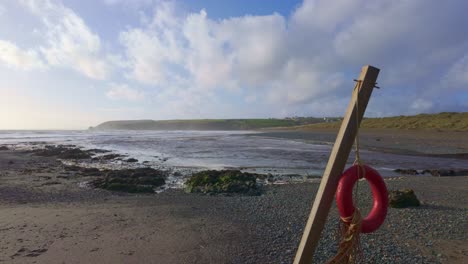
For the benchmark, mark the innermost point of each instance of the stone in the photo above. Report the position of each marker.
(403, 198)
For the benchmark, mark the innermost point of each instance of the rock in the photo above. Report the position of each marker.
(62, 152)
(224, 181)
(406, 171)
(140, 180)
(95, 151)
(447, 172)
(403, 198)
(111, 156)
(131, 160)
(4, 148)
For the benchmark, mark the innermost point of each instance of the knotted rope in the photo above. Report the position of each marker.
(349, 249)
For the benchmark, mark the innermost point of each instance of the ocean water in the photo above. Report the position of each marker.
(186, 151)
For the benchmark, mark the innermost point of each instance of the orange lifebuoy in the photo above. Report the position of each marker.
(344, 196)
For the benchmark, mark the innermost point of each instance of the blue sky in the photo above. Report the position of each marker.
(73, 64)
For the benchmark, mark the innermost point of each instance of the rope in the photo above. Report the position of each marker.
(349, 249)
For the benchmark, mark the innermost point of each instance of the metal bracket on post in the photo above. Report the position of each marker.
(336, 164)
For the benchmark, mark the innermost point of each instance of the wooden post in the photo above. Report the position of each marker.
(336, 164)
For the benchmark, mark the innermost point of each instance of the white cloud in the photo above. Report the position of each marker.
(257, 45)
(13, 56)
(70, 42)
(421, 105)
(123, 92)
(152, 50)
(457, 76)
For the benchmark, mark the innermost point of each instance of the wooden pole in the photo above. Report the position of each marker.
(336, 163)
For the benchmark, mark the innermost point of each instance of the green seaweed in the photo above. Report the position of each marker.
(224, 181)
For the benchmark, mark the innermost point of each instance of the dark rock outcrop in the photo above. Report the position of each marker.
(62, 152)
(110, 157)
(449, 172)
(403, 198)
(140, 180)
(406, 171)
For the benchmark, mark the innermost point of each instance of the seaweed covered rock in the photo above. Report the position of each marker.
(403, 198)
(140, 180)
(223, 181)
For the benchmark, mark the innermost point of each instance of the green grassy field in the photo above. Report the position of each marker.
(207, 124)
(446, 121)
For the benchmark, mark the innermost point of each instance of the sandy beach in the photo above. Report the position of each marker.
(47, 216)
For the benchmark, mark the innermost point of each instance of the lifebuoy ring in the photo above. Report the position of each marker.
(344, 196)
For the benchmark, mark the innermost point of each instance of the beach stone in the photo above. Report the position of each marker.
(4, 148)
(223, 181)
(131, 160)
(403, 198)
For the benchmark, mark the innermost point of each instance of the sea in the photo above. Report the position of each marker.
(188, 151)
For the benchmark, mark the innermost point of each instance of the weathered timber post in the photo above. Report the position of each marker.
(336, 163)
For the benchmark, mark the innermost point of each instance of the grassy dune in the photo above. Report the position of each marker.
(205, 124)
(446, 121)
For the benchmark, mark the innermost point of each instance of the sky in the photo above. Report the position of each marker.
(72, 64)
